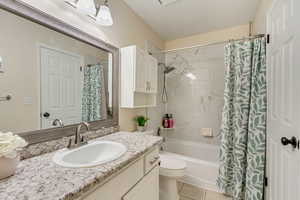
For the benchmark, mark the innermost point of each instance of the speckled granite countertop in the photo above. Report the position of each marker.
(39, 178)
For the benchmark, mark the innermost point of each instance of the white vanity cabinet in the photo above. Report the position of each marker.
(138, 181)
(139, 76)
(147, 188)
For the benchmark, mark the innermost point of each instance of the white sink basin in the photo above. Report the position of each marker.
(90, 155)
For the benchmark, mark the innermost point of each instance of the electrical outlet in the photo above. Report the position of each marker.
(1, 65)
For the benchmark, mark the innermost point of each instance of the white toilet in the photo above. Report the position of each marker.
(170, 171)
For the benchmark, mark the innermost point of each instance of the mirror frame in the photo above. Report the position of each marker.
(35, 15)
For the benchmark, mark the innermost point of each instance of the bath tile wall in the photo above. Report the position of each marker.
(197, 103)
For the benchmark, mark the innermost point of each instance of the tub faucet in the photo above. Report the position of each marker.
(79, 140)
(158, 132)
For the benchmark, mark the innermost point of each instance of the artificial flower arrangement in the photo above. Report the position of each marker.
(10, 144)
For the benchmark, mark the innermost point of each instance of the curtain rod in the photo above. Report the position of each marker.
(216, 43)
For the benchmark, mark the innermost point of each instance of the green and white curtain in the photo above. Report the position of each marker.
(243, 130)
(93, 95)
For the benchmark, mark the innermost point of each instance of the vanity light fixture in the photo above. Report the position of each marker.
(84, 6)
(103, 15)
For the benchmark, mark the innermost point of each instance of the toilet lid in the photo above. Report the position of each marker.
(171, 163)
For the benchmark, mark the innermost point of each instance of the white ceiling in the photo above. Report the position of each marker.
(188, 17)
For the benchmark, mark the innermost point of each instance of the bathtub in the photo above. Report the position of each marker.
(201, 159)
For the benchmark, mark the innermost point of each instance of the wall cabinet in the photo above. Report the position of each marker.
(139, 72)
(152, 74)
(138, 57)
(140, 180)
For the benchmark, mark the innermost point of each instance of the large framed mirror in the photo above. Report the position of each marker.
(53, 76)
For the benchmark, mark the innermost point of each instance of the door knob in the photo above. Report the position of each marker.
(46, 115)
(293, 141)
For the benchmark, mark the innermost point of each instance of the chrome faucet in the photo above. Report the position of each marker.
(57, 122)
(79, 140)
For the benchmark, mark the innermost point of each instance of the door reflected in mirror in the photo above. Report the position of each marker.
(50, 76)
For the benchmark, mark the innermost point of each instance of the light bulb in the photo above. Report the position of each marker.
(85, 6)
(103, 16)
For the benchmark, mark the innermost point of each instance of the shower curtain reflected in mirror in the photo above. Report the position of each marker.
(243, 130)
(93, 95)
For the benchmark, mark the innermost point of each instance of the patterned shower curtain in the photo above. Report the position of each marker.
(93, 95)
(243, 130)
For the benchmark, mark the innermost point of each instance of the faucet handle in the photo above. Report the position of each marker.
(58, 122)
(71, 143)
(87, 125)
(84, 139)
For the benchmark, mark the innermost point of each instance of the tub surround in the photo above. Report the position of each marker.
(40, 178)
(196, 104)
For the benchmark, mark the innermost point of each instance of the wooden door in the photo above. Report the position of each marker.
(60, 87)
(283, 126)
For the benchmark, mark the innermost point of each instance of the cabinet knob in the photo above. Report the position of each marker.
(148, 85)
(154, 160)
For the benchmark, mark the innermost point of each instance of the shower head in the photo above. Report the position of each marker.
(167, 69)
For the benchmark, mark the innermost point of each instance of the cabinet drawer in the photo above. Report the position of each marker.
(151, 160)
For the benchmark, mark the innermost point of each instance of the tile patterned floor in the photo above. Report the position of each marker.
(189, 192)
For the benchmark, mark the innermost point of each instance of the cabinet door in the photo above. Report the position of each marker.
(140, 71)
(118, 186)
(152, 74)
(147, 188)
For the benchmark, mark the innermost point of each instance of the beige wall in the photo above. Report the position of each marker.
(21, 79)
(260, 21)
(210, 37)
(128, 29)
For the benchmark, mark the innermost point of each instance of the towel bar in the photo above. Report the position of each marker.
(6, 98)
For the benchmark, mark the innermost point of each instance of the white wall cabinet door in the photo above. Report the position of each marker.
(152, 74)
(140, 71)
(147, 188)
(118, 186)
(283, 125)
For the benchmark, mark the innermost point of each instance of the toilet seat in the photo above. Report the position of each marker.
(171, 167)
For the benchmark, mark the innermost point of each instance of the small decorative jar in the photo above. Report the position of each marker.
(9, 159)
(8, 166)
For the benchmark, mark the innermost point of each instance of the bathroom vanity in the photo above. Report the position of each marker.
(139, 180)
(133, 176)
